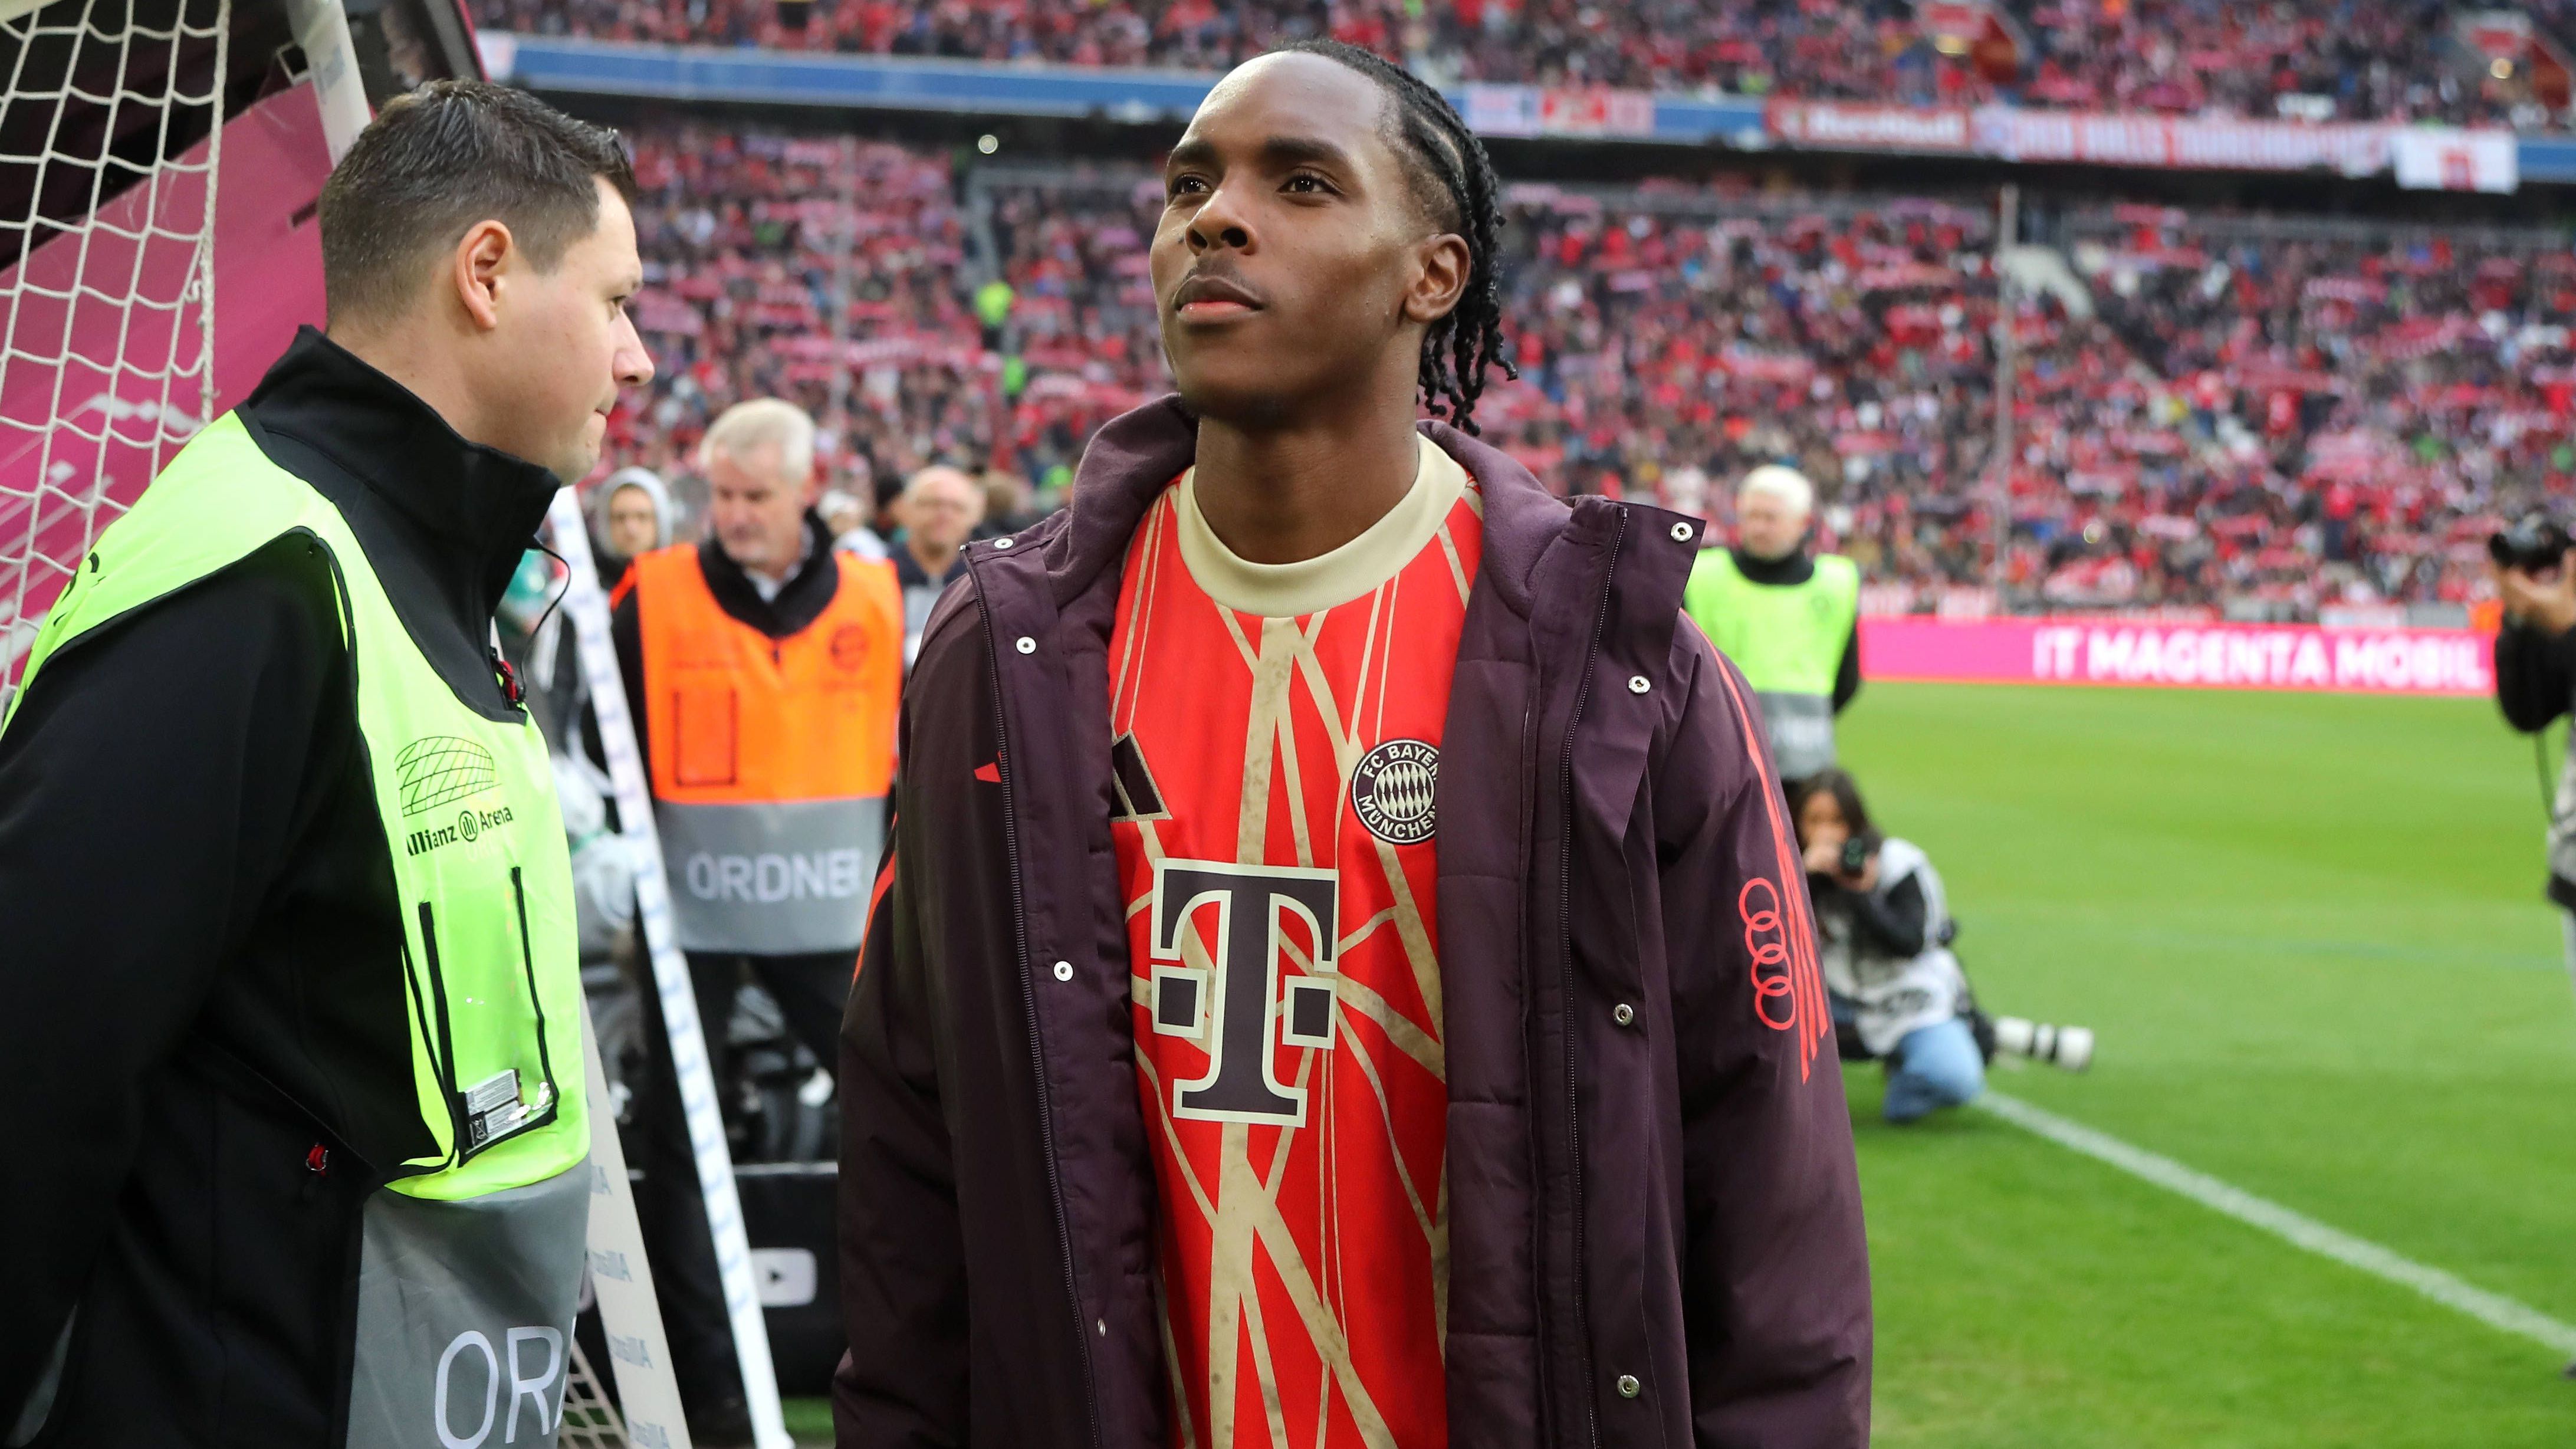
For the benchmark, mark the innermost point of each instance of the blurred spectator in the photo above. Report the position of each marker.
(939, 510)
(847, 521)
(631, 516)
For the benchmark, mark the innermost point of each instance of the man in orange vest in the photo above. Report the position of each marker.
(762, 669)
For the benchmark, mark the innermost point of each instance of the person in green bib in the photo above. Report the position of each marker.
(993, 302)
(289, 995)
(1790, 619)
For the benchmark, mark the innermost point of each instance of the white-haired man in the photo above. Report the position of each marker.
(762, 668)
(1789, 619)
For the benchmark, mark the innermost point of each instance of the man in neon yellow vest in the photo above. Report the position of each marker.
(1789, 619)
(289, 998)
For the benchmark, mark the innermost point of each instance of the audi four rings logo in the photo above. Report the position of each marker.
(1768, 945)
(1392, 791)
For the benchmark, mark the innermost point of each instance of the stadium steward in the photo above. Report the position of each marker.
(1789, 618)
(762, 667)
(1342, 974)
(289, 999)
(939, 509)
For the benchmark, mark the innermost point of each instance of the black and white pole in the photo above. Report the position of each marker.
(587, 606)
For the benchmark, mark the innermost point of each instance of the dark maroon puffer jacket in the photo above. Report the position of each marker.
(1655, 1228)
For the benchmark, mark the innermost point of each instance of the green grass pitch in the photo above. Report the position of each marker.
(2309, 931)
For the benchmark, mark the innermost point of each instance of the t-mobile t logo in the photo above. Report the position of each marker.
(1230, 1011)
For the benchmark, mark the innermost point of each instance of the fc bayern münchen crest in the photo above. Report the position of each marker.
(1391, 791)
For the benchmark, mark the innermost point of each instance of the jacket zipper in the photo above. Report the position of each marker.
(1564, 923)
(1037, 1052)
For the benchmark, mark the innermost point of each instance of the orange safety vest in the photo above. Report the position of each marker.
(771, 757)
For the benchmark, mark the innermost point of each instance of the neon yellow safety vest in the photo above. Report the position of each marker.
(472, 1255)
(1788, 639)
(993, 302)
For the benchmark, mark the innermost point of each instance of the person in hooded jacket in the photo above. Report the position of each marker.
(630, 516)
(1342, 972)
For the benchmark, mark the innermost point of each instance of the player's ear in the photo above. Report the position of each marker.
(1442, 265)
(475, 270)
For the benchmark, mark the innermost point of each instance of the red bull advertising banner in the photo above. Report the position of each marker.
(2179, 655)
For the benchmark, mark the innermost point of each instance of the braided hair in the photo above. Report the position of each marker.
(1454, 181)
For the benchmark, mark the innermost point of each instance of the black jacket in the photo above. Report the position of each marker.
(202, 1014)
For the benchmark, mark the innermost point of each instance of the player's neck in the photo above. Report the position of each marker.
(1279, 495)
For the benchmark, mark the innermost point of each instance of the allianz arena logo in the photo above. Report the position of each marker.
(438, 770)
(445, 770)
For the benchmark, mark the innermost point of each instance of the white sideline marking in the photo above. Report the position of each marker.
(2492, 1309)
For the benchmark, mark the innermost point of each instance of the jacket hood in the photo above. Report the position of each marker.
(652, 486)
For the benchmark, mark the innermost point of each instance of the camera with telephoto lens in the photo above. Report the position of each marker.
(2068, 1047)
(2534, 543)
(1856, 853)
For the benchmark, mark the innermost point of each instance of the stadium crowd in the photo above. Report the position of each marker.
(2352, 60)
(2277, 425)
(2382, 401)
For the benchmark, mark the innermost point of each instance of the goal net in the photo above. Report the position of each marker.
(588, 1421)
(110, 140)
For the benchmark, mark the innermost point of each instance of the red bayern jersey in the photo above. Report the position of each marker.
(1276, 754)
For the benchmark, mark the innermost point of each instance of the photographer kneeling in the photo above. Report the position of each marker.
(2535, 671)
(1884, 933)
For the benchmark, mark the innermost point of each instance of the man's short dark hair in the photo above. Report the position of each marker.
(439, 160)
